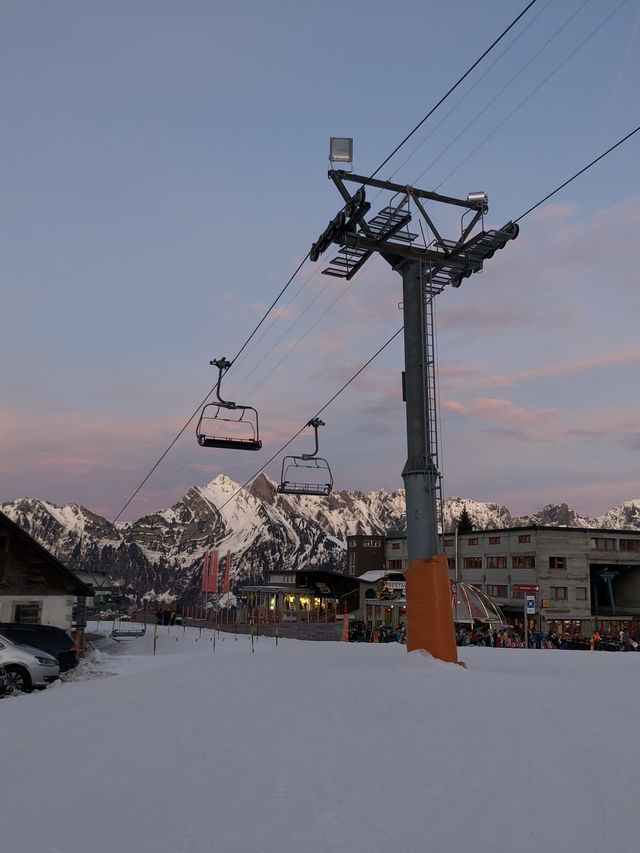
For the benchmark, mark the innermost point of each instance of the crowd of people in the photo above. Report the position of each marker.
(359, 632)
(168, 617)
(509, 638)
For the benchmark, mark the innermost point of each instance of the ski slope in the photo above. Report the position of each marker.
(320, 747)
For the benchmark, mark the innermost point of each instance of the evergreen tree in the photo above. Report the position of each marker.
(465, 524)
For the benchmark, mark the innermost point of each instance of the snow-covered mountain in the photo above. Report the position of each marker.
(162, 552)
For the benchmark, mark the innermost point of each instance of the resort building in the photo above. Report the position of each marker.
(587, 577)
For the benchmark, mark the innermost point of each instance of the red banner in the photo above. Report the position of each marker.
(204, 585)
(210, 572)
(213, 572)
(227, 574)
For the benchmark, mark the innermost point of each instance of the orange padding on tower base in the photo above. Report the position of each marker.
(429, 617)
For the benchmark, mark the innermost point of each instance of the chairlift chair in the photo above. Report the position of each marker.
(296, 471)
(127, 630)
(228, 425)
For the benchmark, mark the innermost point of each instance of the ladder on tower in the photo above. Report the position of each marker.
(431, 286)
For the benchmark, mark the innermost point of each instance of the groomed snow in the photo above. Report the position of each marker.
(318, 747)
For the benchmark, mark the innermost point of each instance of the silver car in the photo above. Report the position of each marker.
(27, 668)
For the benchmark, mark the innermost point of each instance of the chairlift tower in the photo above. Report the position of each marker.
(426, 270)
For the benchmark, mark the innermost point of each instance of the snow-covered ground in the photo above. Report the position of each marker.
(323, 747)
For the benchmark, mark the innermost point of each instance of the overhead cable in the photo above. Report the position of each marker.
(303, 261)
(532, 93)
(395, 335)
(317, 415)
(454, 87)
(577, 174)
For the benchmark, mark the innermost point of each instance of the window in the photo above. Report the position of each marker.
(559, 593)
(600, 544)
(581, 593)
(629, 545)
(28, 613)
(352, 562)
(494, 540)
(395, 546)
(448, 543)
(524, 538)
(497, 590)
(472, 563)
(352, 543)
(395, 565)
(517, 593)
(472, 541)
(496, 562)
(557, 562)
(370, 543)
(523, 562)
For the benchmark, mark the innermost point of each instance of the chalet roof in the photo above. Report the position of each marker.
(79, 588)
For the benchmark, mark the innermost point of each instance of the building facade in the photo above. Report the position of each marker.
(365, 554)
(587, 577)
(35, 587)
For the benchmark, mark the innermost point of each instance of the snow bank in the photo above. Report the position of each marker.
(324, 747)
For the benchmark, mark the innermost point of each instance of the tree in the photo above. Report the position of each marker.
(465, 525)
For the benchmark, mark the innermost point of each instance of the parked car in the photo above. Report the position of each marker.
(27, 668)
(52, 640)
(5, 684)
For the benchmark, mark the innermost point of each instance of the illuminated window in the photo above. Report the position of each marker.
(371, 543)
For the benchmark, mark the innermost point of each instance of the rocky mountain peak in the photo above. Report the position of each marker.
(264, 489)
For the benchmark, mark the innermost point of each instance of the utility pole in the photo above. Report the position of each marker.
(426, 269)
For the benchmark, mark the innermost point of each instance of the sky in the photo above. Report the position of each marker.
(164, 171)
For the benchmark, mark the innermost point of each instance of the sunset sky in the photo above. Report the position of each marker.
(163, 172)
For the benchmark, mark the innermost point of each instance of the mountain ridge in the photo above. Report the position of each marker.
(161, 552)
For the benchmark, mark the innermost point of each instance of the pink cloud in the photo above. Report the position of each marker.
(613, 359)
(467, 376)
(502, 412)
(552, 211)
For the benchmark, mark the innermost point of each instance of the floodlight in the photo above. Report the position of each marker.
(341, 149)
(478, 199)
